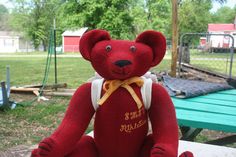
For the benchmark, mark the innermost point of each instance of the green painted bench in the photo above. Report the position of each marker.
(215, 111)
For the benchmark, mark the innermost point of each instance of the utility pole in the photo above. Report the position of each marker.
(174, 52)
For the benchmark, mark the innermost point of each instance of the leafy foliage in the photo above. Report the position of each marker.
(194, 16)
(122, 18)
(224, 15)
(35, 19)
(112, 15)
(4, 14)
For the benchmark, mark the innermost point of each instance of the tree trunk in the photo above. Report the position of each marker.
(186, 54)
(44, 46)
(174, 54)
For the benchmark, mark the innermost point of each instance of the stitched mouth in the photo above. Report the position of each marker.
(121, 72)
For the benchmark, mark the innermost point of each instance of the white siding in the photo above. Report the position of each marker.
(9, 44)
(217, 41)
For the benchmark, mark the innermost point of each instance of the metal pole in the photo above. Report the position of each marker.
(55, 53)
(8, 80)
(180, 53)
(232, 58)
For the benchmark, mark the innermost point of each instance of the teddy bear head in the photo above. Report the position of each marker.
(122, 59)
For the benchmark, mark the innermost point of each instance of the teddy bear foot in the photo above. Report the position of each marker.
(186, 154)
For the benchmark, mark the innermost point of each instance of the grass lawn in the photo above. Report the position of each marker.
(31, 123)
(28, 125)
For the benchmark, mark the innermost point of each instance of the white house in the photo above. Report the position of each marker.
(11, 42)
(222, 41)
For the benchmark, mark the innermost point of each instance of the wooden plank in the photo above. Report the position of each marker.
(220, 97)
(205, 120)
(22, 89)
(230, 92)
(52, 86)
(70, 94)
(217, 74)
(212, 108)
(223, 141)
(210, 101)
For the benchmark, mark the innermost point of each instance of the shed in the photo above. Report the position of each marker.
(222, 41)
(9, 41)
(71, 38)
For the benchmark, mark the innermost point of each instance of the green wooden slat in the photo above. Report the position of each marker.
(215, 111)
(205, 120)
(232, 92)
(208, 101)
(220, 97)
(213, 108)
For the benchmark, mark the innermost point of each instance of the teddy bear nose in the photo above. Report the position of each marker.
(122, 63)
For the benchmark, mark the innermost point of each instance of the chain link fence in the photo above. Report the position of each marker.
(218, 61)
(215, 63)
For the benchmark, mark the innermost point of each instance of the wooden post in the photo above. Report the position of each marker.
(174, 54)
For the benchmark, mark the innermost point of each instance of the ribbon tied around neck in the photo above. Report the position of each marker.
(111, 85)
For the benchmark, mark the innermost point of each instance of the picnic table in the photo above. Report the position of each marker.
(214, 111)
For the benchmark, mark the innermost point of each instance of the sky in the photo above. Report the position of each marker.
(6, 3)
(230, 3)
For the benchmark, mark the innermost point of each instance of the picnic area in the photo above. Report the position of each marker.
(41, 66)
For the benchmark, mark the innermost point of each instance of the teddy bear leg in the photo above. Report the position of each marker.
(147, 146)
(84, 148)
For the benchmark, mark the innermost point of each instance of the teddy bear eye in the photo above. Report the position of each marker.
(133, 48)
(108, 48)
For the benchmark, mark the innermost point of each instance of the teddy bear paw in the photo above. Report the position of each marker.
(186, 154)
(46, 148)
(162, 150)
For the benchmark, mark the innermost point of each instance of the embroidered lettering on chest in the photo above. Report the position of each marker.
(133, 116)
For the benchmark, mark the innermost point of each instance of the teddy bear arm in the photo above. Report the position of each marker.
(163, 119)
(74, 123)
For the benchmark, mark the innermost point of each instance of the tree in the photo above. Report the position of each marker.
(112, 15)
(4, 15)
(139, 14)
(3, 10)
(194, 16)
(35, 19)
(224, 15)
(159, 16)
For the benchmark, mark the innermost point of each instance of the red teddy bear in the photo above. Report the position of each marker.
(123, 102)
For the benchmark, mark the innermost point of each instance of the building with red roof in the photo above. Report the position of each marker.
(221, 41)
(71, 38)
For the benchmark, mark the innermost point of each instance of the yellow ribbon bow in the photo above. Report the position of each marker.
(111, 85)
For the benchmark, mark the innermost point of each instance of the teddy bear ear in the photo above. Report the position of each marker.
(156, 41)
(89, 39)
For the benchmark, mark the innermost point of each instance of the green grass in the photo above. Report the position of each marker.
(25, 71)
(195, 53)
(28, 125)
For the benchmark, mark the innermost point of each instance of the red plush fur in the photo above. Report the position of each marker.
(120, 128)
